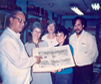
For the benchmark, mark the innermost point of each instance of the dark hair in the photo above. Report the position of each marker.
(37, 24)
(61, 30)
(83, 20)
(12, 14)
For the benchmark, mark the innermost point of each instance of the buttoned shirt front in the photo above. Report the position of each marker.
(85, 48)
(14, 61)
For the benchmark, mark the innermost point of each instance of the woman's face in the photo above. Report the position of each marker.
(60, 37)
(36, 33)
(51, 28)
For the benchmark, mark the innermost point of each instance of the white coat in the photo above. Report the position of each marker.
(14, 62)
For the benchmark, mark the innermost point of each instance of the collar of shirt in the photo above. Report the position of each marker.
(16, 35)
(81, 34)
(65, 43)
(34, 43)
(37, 45)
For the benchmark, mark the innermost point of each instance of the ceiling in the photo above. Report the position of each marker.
(63, 7)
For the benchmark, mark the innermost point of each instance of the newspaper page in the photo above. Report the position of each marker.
(53, 58)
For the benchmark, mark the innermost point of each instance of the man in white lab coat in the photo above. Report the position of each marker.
(14, 61)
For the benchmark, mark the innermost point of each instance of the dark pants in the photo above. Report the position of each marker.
(62, 78)
(83, 75)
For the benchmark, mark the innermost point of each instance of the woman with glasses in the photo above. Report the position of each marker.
(50, 37)
(35, 42)
(62, 76)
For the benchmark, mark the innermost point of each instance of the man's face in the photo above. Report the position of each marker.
(17, 22)
(78, 27)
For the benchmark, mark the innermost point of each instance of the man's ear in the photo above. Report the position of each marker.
(83, 26)
(11, 19)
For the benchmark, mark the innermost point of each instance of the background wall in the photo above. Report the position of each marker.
(66, 20)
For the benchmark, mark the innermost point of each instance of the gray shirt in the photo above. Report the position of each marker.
(42, 77)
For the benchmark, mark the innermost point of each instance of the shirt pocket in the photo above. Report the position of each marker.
(83, 47)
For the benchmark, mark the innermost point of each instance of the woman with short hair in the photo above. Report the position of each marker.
(36, 42)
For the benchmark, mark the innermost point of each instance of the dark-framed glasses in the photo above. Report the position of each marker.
(20, 20)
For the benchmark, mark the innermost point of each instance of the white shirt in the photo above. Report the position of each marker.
(85, 48)
(14, 61)
(51, 42)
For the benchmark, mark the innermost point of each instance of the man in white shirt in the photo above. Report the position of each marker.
(85, 52)
(14, 61)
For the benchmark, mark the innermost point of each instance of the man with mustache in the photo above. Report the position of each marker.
(85, 52)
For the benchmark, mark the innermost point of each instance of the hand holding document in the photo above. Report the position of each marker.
(55, 58)
(38, 59)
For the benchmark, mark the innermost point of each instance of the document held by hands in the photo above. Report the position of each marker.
(53, 58)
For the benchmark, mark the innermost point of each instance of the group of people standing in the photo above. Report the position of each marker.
(16, 59)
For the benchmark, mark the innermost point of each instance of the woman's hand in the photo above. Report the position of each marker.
(54, 71)
(38, 59)
(59, 70)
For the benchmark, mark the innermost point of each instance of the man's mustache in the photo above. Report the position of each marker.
(76, 29)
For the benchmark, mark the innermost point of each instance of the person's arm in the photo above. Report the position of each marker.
(72, 51)
(93, 50)
(11, 50)
(70, 40)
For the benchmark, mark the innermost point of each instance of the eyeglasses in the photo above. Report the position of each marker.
(37, 31)
(20, 20)
(51, 26)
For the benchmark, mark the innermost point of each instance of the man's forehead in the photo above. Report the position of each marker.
(20, 13)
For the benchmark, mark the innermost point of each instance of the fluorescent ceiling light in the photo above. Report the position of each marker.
(95, 6)
(76, 10)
